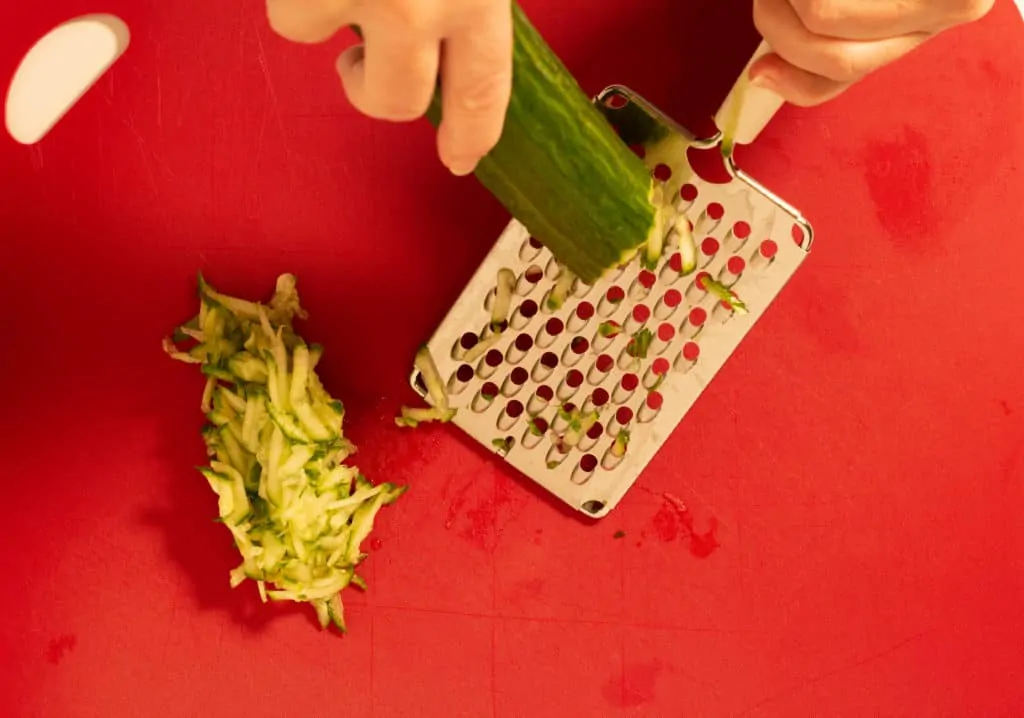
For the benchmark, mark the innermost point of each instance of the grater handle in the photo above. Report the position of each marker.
(748, 109)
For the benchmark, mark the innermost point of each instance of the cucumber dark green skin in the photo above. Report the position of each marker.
(559, 167)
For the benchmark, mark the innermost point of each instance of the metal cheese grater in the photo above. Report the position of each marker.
(524, 394)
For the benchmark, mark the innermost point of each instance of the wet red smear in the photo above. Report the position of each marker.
(59, 647)
(674, 520)
(634, 688)
(899, 178)
(376, 544)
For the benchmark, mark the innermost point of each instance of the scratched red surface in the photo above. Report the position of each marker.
(854, 476)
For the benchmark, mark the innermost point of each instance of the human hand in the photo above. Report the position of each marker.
(393, 73)
(821, 47)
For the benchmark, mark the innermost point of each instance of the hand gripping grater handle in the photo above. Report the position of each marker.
(748, 109)
(522, 392)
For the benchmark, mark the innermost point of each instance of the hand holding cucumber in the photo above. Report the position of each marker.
(407, 45)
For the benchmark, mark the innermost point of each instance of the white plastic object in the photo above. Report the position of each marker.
(547, 357)
(58, 70)
(748, 109)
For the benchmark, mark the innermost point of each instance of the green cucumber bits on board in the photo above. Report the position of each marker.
(298, 514)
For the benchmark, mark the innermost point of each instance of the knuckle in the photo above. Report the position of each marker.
(974, 10)
(822, 17)
(841, 65)
(485, 94)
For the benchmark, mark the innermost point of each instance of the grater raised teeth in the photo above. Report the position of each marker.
(520, 396)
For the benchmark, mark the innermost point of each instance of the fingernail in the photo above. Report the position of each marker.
(461, 168)
(764, 81)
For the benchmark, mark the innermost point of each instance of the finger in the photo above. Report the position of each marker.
(476, 83)
(870, 19)
(794, 85)
(392, 76)
(832, 58)
(307, 21)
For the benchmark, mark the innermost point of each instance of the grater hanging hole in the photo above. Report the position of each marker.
(708, 164)
(797, 233)
(593, 507)
(553, 270)
(616, 101)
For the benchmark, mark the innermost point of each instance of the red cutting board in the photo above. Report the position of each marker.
(854, 474)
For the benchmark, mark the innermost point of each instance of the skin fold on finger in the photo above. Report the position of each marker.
(476, 83)
(796, 86)
(308, 21)
(836, 59)
(393, 74)
(873, 19)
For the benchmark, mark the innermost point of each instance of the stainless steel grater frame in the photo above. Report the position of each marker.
(740, 218)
